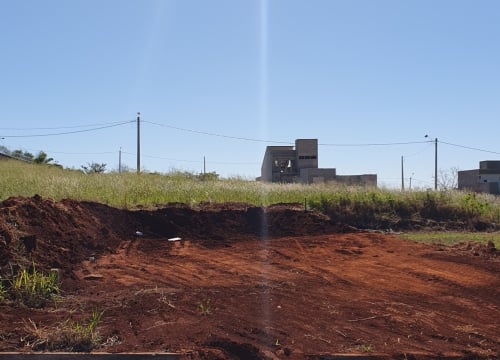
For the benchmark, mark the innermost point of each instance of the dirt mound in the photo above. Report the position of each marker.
(62, 233)
(231, 281)
(68, 232)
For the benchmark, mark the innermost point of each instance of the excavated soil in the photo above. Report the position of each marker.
(247, 283)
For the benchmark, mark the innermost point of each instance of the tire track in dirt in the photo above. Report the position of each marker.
(304, 290)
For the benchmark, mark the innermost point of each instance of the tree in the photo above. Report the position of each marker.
(42, 158)
(210, 176)
(94, 168)
(448, 180)
(23, 155)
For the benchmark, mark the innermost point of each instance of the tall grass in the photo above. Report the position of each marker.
(130, 190)
(368, 207)
(382, 208)
(453, 238)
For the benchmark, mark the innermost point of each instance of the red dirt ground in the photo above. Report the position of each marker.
(250, 283)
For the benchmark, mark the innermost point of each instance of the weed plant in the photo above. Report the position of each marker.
(204, 307)
(67, 336)
(3, 292)
(34, 288)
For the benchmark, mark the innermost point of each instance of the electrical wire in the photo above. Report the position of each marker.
(76, 153)
(115, 124)
(470, 148)
(431, 143)
(279, 142)
(218, 135)
(191, 161)
(63, 127)
(377, 144)
(67, 132)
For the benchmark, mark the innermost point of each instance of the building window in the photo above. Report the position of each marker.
(283, 164)
(303, 157)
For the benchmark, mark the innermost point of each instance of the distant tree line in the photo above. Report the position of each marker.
(40, 158)
(43, 158)
(99, 168)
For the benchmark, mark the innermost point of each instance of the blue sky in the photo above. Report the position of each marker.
(210, 77)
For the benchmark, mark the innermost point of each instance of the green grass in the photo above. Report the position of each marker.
(130, 190)
(453, 238)
(75, 336)
(34, 288)
(357, 206)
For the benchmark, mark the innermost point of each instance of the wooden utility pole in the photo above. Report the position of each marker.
(436, 164)
(402, 175)
(120, 161)
(138, 142)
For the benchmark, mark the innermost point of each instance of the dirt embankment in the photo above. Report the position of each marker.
(249, 283)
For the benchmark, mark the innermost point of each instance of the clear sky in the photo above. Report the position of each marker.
(222, 79)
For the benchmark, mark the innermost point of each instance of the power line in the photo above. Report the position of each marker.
(68, 132)
(76, 153)
(191, 161)
(470, 148)
(63, 127)
(115, 124)
(278, 142)
(163, 158)
(431, 143)
(100, 126)
(377, 144)
(218, 135)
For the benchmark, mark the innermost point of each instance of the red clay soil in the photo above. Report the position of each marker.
(248, 283)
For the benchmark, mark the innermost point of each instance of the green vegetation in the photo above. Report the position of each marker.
(40, 158)
(68, 335)
(94, 168)
(129, 190)
(360, 207)
(204, 307)
(382, 209)
(34, 288)
(453, 238)
(366, 348)
(3, 292)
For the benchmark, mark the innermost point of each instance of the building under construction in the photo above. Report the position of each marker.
(299, 164)
(486, 179)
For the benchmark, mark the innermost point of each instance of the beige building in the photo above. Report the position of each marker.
(299, 164)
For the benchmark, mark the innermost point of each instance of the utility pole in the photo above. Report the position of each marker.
(120, 161)
(204, 166)
(138, 142)
(436, 164)
(402, 176)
